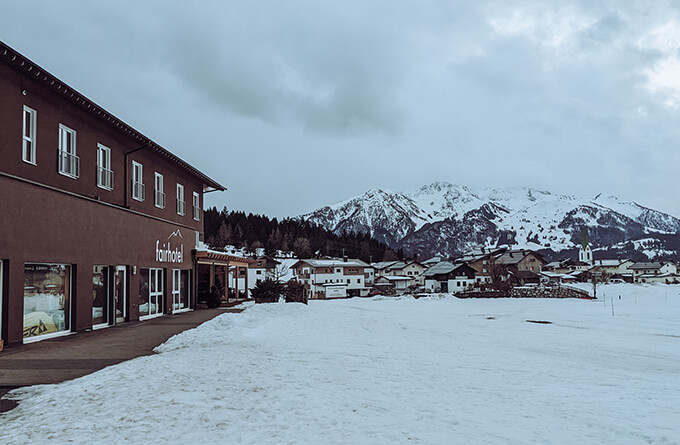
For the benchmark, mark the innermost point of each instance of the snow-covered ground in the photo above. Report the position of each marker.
(435, 370)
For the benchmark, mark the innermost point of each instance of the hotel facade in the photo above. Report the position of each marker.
(98, 225)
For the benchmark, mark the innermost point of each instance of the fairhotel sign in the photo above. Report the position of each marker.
(171, 251)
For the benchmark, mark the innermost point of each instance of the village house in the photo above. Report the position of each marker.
(413, 270)
(262, 268)
(100, 224)
(331, 278)
(513, 261)
(482, 263)
(446, 276)
(654, 272)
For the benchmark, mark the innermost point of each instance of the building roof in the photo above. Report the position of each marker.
(32, 70)
(515, 256)
(442, 267)
(210, 256)
(608, 263)
(433, 260)
(395, 278)
(445, 267)
(332, 262)
(646, 265)
(382, 264)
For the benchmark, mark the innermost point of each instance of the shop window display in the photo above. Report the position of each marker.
(46, 299)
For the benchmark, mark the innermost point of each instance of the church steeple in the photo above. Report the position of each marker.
(584, 238)
(585, 254)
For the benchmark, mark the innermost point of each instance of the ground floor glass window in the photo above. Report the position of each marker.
(47, 289)
(150, 292)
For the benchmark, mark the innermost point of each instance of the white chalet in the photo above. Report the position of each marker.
(332, 278)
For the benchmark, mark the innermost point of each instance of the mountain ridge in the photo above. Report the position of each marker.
(447, 219)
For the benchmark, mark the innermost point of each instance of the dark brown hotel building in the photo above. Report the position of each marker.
(98, 224)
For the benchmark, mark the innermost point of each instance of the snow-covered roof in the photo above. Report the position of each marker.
(396, 278)
(433, 260)
(608, 263)
(382, 264)
(514, 256)
(334, 262)
(443, 267)
(646, 265)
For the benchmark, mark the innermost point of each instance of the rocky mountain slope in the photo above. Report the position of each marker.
(447, 219)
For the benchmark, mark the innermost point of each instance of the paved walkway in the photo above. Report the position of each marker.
(64, 358)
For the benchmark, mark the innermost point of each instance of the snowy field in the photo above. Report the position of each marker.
(435, 370)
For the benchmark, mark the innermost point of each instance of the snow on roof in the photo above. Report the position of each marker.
(334, 262)
(383, 264)
(608, 263)
(646, 265)
(433, 260)
(396, 278)
(443, 267)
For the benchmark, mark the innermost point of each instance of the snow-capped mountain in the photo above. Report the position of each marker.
(447, 219)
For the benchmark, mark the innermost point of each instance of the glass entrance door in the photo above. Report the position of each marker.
(155, 292)
(120, 294)
(180, 290)
(101, 305)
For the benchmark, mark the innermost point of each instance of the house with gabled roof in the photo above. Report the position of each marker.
(332, 277)
(654, 272)
(411, 269)
(447, 276)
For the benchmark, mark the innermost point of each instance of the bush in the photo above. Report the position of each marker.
(295, 292)
(267, 291)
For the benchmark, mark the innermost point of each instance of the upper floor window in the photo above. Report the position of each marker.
(137, 181)
(159, 196)
(181, 205)
(197, 207)
(69, 163)
(30, 121)
(104, 172)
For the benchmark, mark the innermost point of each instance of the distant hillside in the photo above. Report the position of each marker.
(305, 239)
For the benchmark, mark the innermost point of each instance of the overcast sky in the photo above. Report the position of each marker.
(299, 104)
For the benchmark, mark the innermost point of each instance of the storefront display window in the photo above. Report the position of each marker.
(150, 292)
(100, 295)
(46, 299)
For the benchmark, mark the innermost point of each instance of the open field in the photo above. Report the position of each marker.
(436, 370)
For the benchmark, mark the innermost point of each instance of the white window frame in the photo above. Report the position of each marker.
(137, 181)
(28, 154)
(69, 163)
(197, 206)
(181, 204)
(159, 195)
(104, 172)
(156, 294)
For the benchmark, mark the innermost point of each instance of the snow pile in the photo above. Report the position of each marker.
(435, 370)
